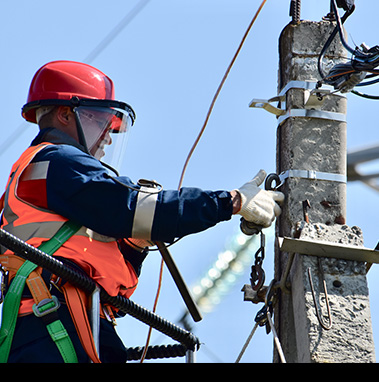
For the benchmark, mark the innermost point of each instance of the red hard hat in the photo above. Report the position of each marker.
(63, 80)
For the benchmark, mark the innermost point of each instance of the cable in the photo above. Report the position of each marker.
(363, 95)
(329, 41)
(91, 56)
(7, 143)
(339, 27)
(218, 92)
(200, 135)
(115, 31)
(154, 310)
(84, 282)
(346, 76)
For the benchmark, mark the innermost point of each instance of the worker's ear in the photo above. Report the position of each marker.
(65, 115)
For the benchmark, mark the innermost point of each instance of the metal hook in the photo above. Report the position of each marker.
(320, 319)
(3, 283)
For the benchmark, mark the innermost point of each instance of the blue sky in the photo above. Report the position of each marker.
(167, 63)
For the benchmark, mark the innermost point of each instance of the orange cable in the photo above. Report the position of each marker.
(193, 149)
(218, 92)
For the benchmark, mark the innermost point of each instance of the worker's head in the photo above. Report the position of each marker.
(79, 100)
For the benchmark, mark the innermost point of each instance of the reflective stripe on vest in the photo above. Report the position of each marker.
(96, 254)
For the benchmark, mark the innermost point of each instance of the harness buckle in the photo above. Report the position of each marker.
(46, 306)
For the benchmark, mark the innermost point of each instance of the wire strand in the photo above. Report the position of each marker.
(199, 137)
(154, 310)
(217, 94)
(91, 56)
(116, 31)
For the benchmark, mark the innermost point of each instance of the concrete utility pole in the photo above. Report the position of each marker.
(311, 136)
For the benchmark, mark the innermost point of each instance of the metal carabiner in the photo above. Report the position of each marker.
(273, 178)
(270, 293)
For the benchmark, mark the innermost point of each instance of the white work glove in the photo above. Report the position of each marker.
(257, 205)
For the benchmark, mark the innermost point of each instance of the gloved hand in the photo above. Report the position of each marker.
(257, 205)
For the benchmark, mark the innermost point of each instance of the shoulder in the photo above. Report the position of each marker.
(67, 155)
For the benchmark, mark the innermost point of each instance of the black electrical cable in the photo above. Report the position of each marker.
(367, 83)
(340, 30)
(329, 41)
(154, 352)
(85, 283)
(363, 95)
(362, 61)
(367, 58)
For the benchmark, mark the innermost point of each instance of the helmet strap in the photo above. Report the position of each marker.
(79, 129)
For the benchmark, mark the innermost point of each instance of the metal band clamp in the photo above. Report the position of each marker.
(312, 103)
(311, 174)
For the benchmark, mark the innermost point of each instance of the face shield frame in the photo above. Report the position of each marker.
(76, 101)
(115, 108)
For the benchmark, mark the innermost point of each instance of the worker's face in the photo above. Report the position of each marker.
(98, 124)
(98, 150)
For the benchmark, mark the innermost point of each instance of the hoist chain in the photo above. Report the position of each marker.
(257, 275)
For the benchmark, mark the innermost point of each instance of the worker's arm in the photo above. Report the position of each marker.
(79, 188)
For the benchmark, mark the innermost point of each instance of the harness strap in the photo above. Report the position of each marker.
(45, 305)
(11, 305)
(10, 309)
(75, 298)
(77, 302)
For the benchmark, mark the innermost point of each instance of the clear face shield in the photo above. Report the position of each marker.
(106, 131)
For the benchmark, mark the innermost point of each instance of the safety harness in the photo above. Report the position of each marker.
(45, 305)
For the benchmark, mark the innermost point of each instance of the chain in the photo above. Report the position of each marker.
(257, 275)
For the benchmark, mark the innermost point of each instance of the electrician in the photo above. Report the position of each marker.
(61, 179)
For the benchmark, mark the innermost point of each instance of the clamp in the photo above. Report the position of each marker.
(313, 99)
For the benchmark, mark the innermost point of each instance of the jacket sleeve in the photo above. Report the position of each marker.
(78, 187)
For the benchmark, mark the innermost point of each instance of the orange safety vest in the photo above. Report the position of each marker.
(96, 254)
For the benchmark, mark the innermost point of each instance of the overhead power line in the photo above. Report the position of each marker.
(90, 58)
(115, 31)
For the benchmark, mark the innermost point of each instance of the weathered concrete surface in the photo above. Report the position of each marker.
(350, 338)
(319, 145)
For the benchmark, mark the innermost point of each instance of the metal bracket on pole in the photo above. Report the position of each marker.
(313, 99)
(266, 104)
(327, 249)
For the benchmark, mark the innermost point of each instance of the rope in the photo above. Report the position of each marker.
(218, 92)
(202, 131)
(276, 338)
(154, 310)
(247, 342)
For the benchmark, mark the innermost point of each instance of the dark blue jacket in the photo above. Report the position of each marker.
(79, 188)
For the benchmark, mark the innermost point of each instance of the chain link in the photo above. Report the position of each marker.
(257, 275)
